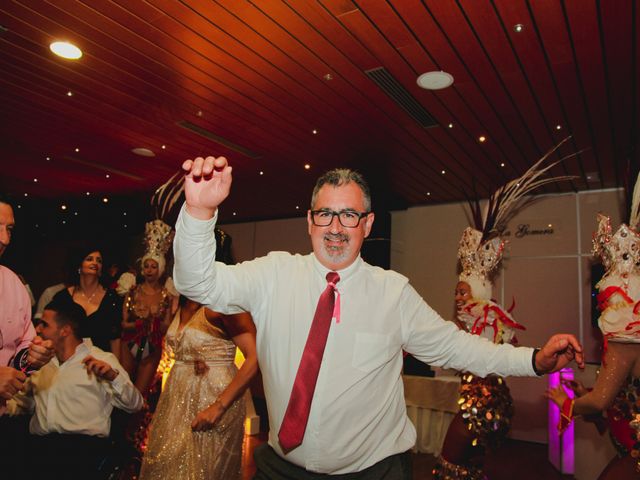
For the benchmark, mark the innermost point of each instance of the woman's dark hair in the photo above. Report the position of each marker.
(4, 198)
(75, 259)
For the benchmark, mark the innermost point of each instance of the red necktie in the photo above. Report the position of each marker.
(295, 418)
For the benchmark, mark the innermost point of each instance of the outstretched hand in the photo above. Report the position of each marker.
(559, 351)
(576, 385)
(557, 395)
(206, 185)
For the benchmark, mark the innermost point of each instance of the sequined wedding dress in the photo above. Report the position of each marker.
(174, 450)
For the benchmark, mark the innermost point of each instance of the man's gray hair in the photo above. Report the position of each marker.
(342, 176)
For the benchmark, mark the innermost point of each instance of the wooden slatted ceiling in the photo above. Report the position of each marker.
(253, 72)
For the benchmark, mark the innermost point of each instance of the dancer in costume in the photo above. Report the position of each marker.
(147, 310)
(198, 426)
(485, 403)
(617, 388)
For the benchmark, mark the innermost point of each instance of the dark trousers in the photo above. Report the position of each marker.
(14, 449)
(68, 456)
(270, 466)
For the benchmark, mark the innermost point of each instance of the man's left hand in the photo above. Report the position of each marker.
(99, 368)
(559, 350)
(40, 352)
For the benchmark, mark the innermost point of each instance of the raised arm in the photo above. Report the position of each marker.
(243, 332)
(206, 185)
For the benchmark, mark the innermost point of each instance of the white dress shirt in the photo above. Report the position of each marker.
(358, 415)
(66, 399)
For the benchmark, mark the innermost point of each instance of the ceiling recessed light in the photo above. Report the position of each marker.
(518, 27)
(77, 149)
(450, 125)
(66, 50)
(558, 127)
(435, 80)
(482, 139)
(69, 93)
(307, 166)
(143, 152)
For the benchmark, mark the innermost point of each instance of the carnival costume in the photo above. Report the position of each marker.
(485, 404)
(147, 336)
(619, 305)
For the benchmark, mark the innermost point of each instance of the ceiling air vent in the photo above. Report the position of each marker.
(401, 96)
(218, 139)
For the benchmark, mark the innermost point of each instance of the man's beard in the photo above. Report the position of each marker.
(336, 253)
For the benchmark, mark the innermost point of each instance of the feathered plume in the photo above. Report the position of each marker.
(504, 203)
(634, 211)
(167, 194)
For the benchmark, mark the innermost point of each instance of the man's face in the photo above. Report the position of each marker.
(335, 246)
(48, 328)
(6, 226)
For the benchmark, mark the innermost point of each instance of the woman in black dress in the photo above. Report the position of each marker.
(102, 305)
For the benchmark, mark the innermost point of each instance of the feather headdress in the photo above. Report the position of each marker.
(480, 250)
(619, 288)
(159, 234)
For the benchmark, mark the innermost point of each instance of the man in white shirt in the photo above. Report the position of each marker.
(357, 423)
(72, 397)
(46, 297)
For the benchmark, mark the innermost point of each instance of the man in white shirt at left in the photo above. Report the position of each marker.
(72, 398)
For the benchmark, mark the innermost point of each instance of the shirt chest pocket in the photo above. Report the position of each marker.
(370, 351)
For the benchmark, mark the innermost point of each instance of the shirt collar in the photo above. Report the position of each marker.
(345, 273)
(82, 350)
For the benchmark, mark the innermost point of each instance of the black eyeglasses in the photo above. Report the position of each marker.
(347, 218)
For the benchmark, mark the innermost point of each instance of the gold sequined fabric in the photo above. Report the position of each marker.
(174, 450)
(626, 406)
(445, 470)
(486, 407)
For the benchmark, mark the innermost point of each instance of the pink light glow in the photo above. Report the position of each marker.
(561, 447)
